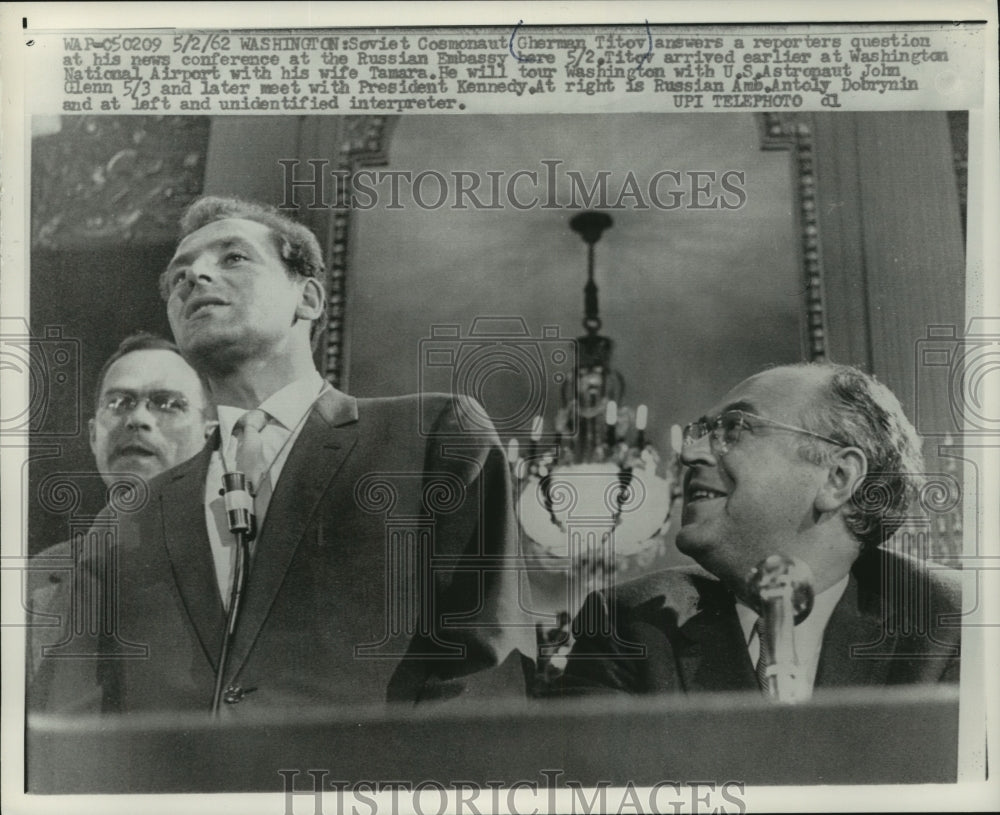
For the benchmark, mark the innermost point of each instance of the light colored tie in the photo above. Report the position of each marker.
(250, 448)
(761, 668)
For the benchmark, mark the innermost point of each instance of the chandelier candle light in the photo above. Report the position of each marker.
(601, 492)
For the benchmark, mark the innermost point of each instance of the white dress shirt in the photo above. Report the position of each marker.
(808, 633)
(286, 415)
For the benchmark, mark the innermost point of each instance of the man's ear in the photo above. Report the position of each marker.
(92, 426)
(311, 301)
(845, 471)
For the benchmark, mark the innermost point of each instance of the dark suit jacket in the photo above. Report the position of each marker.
(48, 597)
(676, 631)
(386, 569)
(60, 619)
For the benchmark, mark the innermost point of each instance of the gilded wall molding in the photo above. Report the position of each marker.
(793, 132)
(350, 142)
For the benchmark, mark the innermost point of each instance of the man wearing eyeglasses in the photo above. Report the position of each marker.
(152, 410)
(151, 413)
(814, 462)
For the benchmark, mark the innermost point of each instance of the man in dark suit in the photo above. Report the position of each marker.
(816, 462)
(384, 565)
(151, 412)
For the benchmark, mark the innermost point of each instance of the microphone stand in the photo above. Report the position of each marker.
(780, 658)
(783, 589)
(239, 514)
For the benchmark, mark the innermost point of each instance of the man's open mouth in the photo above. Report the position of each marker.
(700, 493)
(198, 304)
(137, 450)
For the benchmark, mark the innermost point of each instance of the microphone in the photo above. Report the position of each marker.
(242, 523)
(782, 586)
(239, 504)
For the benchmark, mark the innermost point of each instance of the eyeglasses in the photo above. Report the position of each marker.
(166, 403)
(725, 430)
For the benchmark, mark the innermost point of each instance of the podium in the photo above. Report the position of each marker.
(863, 736)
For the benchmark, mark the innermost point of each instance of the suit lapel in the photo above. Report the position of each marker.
(708, 641)
(327, 438)
(852, 626)
(189, 550)
(711, 651)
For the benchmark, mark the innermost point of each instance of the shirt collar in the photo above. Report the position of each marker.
(286, 406)
(823, 605)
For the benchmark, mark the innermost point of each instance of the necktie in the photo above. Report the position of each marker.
(250, 448)
(761, 668)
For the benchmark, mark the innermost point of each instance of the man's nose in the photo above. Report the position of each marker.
(140, 416)
(698, 451)
(201, 269)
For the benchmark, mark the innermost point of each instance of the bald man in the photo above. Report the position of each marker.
(815, 462)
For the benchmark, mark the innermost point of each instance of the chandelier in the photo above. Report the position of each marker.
(597, 492)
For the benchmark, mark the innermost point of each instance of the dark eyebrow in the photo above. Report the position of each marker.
(134, 392)
(166, 392)
(220, 244)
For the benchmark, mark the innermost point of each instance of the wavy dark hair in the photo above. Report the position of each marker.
(859, 411)
(297, 246)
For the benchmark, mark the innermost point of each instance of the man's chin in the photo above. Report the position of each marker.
(129, 468)
(692, 540)
(705, 548)
(217, 353)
